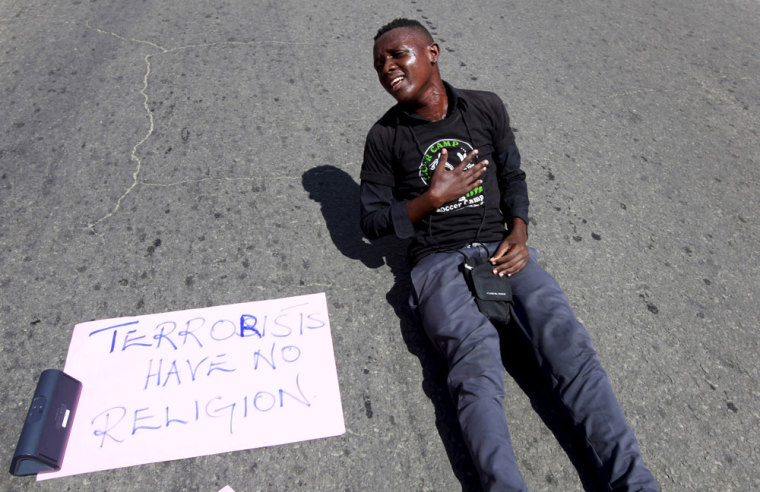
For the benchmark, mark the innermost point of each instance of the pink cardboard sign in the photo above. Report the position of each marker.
(191, 383)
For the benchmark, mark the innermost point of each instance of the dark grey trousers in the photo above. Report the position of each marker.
(470, 345)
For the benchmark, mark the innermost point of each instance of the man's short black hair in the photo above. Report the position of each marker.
(401, 22)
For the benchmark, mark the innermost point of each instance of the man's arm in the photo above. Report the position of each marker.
(381, 214)
(512, 254)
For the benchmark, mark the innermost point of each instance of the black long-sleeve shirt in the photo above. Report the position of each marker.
(401, 153)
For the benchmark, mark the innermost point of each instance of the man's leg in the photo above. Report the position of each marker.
(470, 345)
(565, 353)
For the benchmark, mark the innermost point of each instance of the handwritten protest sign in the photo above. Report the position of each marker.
(203, 381)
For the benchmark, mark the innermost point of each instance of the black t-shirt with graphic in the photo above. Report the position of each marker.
(403, 150)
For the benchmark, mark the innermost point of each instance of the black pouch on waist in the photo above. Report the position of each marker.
(493, 294)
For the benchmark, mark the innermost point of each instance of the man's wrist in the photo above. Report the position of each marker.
(519, 227)
(432, 201)
(419, 207)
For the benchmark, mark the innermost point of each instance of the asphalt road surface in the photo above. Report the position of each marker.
(160, 156)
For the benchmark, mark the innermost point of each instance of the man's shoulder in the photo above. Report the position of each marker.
(389, 119)
(479, 94)
(384, 127)
(484, 100)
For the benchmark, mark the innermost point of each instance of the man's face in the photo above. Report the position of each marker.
(405, 63)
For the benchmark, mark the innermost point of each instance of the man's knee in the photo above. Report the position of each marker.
(476, 371)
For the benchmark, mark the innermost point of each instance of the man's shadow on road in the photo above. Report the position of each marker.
(338, 195)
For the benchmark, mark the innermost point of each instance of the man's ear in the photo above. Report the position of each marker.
(434, 51)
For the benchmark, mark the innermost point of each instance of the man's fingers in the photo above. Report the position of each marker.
(473, 174)
(500, 252)
(462, 167)
(468, 159)
(504, 255)
(511, 268)
(441, 166)
(479, 168)
(511, 261)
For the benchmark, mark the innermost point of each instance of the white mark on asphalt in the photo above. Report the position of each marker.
(133, 154)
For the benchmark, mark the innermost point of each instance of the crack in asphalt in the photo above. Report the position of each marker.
(143, 92)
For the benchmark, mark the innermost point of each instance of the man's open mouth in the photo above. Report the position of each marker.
(396, 81)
